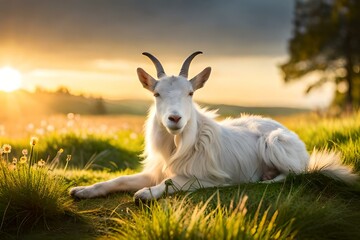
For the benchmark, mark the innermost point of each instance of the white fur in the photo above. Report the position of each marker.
(329, 164)
(198, 151)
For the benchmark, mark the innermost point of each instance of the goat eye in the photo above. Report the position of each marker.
(191, 93)
(156, 95)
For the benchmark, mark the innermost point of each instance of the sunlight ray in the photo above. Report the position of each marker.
(10, 79)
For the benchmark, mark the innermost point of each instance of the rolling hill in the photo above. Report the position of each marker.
(23, 103)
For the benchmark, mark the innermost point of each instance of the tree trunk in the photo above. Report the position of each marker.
(349, 71)
(349, 79)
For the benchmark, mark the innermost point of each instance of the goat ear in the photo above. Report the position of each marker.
(199, 80)
(146, 80)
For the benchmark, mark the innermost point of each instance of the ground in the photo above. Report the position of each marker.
(304, 206)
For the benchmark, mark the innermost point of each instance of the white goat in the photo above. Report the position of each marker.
(186, 145)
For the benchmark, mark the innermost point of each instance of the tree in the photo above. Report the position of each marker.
(326, 39)
(100, 107)
(63, 90)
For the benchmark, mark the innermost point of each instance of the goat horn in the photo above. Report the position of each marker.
(159, 67)
(185, 67)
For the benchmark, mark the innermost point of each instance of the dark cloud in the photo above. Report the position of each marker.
(89, 28)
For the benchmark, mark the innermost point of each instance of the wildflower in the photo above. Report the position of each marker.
(133, 135)
(70, 124)
(23, 160)
(50, 128)
(24, 152)
(6, 148)
(68, 158)
(40, 131)
(14, 161)
(55, 162)
(41, 163)
(12, 166)
(34, 141)
(70, 116)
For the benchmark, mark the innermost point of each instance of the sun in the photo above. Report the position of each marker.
(10, 79)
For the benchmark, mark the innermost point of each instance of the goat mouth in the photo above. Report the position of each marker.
(174, 130)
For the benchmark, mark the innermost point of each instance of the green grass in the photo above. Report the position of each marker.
(182, 219)
(32, 197)
(119, 150)
(307, 206)
(341, 134)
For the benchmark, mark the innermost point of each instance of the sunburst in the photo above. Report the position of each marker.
(10, 79)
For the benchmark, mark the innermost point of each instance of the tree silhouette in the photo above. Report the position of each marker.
(63, 90)
(100, 107)
(326, 39)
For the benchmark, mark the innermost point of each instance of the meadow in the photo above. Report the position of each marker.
(74, 150)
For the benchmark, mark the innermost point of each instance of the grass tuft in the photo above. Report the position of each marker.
(31, 197)
(180, 219)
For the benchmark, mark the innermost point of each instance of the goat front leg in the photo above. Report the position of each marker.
(172, 185)
(124, 183)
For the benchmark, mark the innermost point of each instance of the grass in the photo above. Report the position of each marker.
(32, 197)
(341, 134)
(110, 143)
(307, 206)
(181, 219)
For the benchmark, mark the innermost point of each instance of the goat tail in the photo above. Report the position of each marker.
(329, 163)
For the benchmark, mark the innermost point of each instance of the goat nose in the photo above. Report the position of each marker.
(174, 118)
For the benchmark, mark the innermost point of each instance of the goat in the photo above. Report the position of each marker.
(185, 148)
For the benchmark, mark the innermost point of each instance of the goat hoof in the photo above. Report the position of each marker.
(138, 201)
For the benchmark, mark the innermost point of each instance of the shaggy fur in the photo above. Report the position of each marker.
(187, 149)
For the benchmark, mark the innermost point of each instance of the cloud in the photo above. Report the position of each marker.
(98, 44)
(95, 29)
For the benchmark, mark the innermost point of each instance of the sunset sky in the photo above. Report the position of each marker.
(94, 47)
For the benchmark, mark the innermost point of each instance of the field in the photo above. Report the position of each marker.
(22, 103)
(80, 150)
